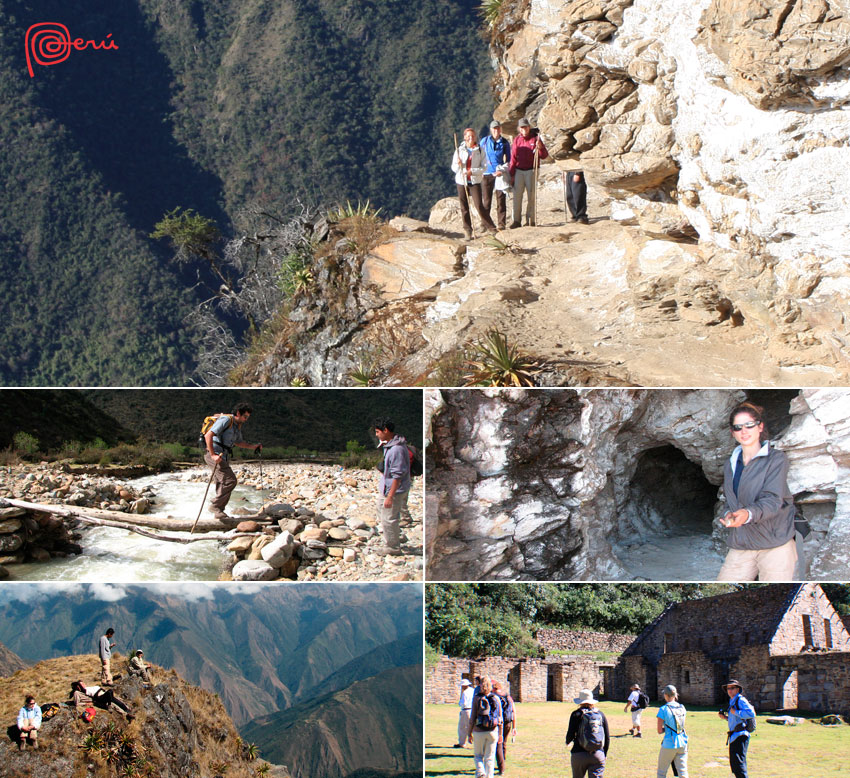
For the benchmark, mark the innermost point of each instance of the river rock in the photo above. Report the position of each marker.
(338, 533)
(9, 525)
(142, 505)
(280, 550)
(15, 559)
(289, 569)
(335, 551)
(125, 494)
(253, 570)
(241, 545)
(349, 555)
(291, 525)
(248, 526)
(11, 512)
(313, 533)
(38, 554)
(10, 543)
(279, 510)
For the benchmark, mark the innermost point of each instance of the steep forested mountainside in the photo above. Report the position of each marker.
(216, 106)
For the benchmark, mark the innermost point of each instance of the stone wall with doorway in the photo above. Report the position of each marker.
(692, 673)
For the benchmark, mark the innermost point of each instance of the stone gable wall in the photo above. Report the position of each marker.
(790, 637)
(579, 640)
(693, 675)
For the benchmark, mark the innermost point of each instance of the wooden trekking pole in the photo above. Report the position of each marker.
(206, 492)
(536, 169)
(465, 186)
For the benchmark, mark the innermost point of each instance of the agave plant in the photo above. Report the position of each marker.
(363, 373)
(490, 10)
(298, 382)
(495, 363)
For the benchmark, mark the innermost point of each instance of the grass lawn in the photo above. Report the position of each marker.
(539, 751)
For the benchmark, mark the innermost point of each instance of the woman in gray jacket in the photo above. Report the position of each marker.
(760, 507)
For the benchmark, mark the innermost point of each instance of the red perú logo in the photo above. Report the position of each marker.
(49, 43)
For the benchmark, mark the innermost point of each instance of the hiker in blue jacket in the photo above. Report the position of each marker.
(671, 724)
(497, 150)
(588, 732)
(741, 718)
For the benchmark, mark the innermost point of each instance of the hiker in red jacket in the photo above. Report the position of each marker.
(522, 170)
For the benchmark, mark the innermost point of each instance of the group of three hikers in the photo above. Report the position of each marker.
(488, 714)
(487, 169)
(225, 433)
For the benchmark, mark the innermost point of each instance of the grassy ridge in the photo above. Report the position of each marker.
(539, 750)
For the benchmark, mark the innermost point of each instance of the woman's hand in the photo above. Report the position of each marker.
(735, 518)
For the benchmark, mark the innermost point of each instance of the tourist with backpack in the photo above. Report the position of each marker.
(635, 704)
(671, 723)
(219, 440)
(394, 485)
(485, 728)
(588, 732)
(741, 717)
(508, 724)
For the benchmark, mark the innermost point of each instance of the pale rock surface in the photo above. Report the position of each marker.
(253, 570)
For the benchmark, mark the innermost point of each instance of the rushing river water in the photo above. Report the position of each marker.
(111, 554)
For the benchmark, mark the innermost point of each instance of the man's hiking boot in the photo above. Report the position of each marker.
(388, 550)
(220, 515)
(514, 225)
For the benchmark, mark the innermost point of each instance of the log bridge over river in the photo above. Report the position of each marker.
(206, 528)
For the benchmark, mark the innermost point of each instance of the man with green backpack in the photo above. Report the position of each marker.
(220, 434)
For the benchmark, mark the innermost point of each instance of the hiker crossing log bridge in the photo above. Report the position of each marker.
(212, 529)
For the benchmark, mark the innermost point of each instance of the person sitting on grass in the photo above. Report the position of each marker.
(29, 721)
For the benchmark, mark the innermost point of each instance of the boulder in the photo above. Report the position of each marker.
(10, 543)
(241, 545)
(253, 570)
(403, 268)
(9, 525)
(279, 510)
(248, 526)
(280, 550)
(11, 512)
(406, 224)
(291, 525)
(338, 533)
(313, 533)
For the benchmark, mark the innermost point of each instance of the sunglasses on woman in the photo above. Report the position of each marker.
(747, 425)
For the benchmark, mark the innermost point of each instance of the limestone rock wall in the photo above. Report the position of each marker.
(727, 115)
(537, 484)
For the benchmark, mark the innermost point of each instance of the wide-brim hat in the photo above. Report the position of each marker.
(464, 682)
(523, 123)
(635, 686)
(584, 696)
(733, 682)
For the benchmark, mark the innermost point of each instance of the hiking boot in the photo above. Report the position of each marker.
(531, 223)
(388, 550)
(467, 235)
(514, 225)
(638, 734)
(584, 220)
(220, 515)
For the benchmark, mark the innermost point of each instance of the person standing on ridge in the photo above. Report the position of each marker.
(526, 145)
(394, 486)
(220, 440)
(468, 164)
(104, 651)
(497, 151)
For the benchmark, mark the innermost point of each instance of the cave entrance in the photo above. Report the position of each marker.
(665, 526)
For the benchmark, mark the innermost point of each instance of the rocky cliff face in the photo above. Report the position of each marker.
(725, 115)
(584, 484)
(715, 139)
